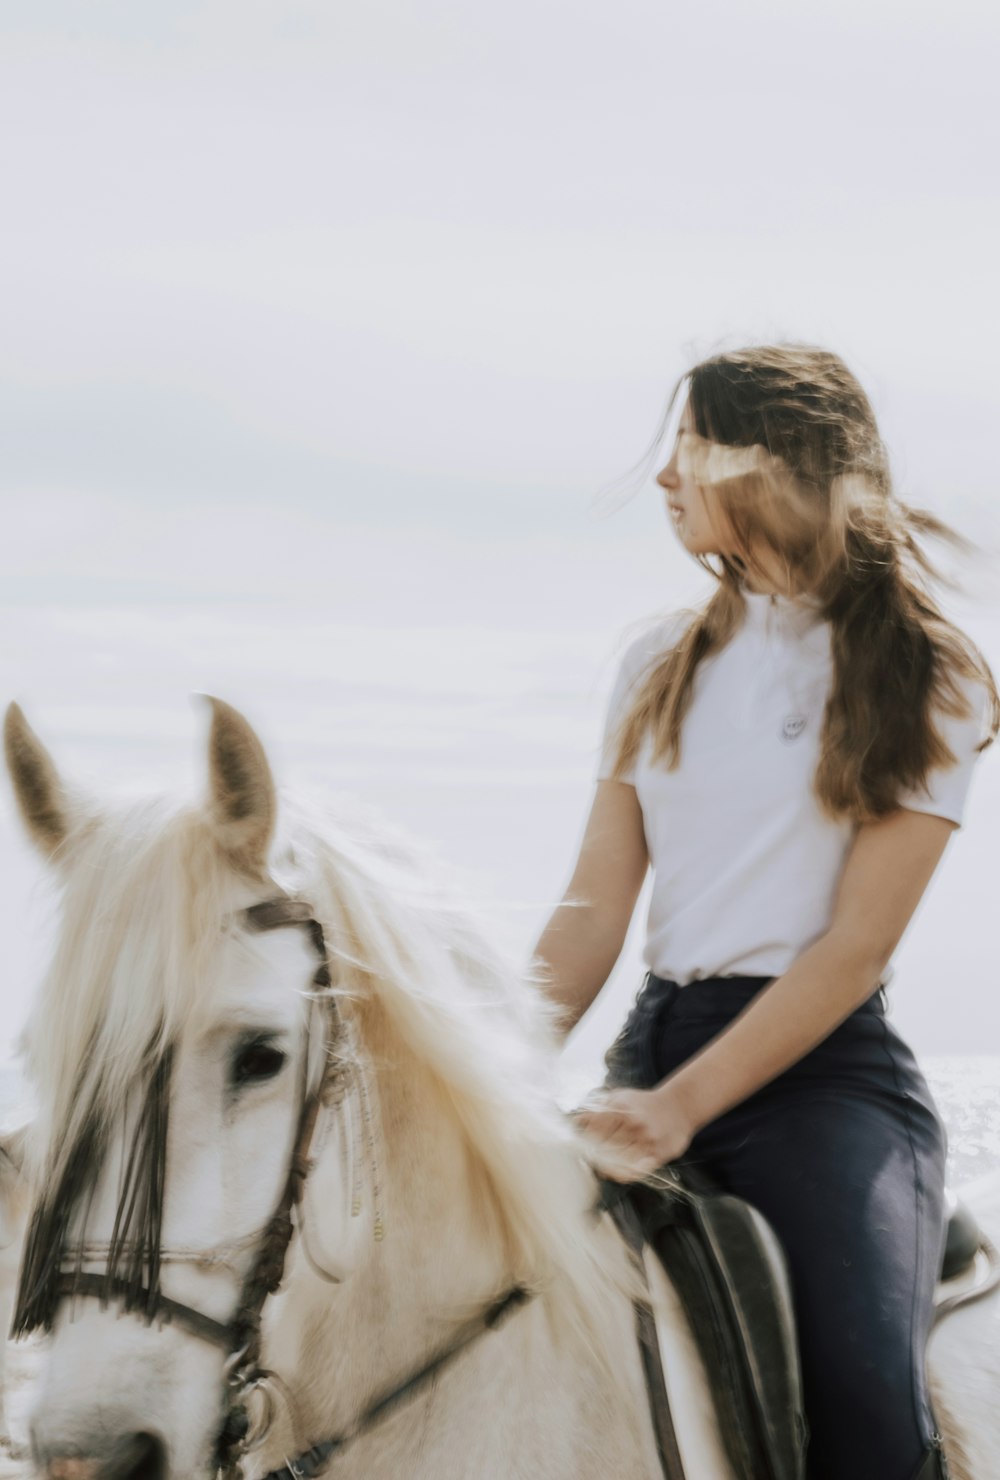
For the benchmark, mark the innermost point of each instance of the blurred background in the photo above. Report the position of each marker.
(325, 330)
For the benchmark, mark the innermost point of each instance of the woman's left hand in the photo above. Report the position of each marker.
(641, 1129)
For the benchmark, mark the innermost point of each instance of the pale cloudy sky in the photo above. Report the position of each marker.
(322, 326)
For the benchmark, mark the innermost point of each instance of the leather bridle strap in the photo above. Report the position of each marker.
(615, 1201)
(268, 1267)
(101, 1288)
(309, 1464)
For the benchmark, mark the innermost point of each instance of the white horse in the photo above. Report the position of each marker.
(173, 1047)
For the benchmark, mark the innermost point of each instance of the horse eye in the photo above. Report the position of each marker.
(256, 1061)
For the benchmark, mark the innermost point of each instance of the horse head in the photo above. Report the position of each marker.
(296, 1125)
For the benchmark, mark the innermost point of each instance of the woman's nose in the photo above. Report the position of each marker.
(668, 477)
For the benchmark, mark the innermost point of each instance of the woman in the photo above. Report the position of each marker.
(791, 758)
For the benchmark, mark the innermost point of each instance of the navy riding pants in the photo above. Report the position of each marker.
(844, 1154)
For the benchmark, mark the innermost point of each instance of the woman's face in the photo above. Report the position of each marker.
(702, 527)
(699, 523)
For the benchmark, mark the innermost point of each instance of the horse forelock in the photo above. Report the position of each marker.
(141, 922)
(132, 1263)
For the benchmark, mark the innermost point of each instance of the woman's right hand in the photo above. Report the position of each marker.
(638, 1130)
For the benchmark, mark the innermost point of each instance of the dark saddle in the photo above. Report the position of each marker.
(963, 1239)
(729, 1271)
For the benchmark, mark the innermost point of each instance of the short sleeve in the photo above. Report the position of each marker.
(946, 788)
(640, 654)
(621, 693)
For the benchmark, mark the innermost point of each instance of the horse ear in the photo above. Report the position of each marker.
(40, 794)
(241, 796)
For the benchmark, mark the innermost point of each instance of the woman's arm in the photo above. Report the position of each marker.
(583, 939)
(888, 868)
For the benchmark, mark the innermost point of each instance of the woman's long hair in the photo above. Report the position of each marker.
(787, 446)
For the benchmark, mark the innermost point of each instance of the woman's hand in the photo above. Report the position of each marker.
(640, 1130)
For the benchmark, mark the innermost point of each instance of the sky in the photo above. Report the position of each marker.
(327, 335)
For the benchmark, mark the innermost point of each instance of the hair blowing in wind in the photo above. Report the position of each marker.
(787, 449)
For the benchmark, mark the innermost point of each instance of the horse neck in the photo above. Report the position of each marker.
(442, 1259)
(439, 1258)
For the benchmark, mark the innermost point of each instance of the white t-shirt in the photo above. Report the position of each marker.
(745, 864)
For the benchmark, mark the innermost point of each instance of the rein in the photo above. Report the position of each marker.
(309, 1464)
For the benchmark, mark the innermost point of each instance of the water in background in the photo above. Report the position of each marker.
(967, 1091)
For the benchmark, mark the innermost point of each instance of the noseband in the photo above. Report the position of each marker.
(240, 1338)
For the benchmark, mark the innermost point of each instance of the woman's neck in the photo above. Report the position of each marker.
(771, 577)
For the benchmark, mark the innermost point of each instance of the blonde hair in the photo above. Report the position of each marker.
(786, 440)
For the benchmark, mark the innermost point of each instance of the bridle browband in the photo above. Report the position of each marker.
(240, 1338)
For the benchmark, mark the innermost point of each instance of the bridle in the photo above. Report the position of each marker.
(240, 1338)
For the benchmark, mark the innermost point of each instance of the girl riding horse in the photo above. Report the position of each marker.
(791, 757)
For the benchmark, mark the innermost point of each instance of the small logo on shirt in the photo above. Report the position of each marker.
(792, 726)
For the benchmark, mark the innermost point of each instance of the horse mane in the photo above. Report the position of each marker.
(403, 929)
(145, 892)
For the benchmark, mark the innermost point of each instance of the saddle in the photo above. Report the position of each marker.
(729, 1271)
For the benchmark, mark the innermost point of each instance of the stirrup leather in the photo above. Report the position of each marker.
(728, 1269)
